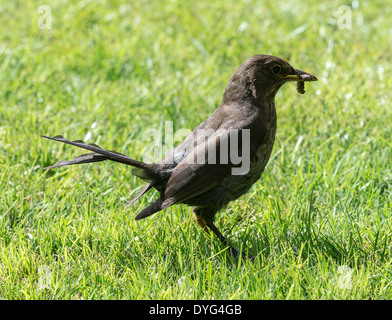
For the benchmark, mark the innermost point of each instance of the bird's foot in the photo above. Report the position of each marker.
(235, 253)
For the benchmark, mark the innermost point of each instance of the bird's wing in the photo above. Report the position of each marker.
(197, 173)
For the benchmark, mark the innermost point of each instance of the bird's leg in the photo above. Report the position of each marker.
(222, 238)
(207, 225)
(202, 224)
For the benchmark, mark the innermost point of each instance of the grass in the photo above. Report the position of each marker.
(319, 220)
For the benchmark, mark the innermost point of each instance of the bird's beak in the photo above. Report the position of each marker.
(300, 75)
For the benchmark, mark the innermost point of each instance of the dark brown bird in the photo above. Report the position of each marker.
(224, 156)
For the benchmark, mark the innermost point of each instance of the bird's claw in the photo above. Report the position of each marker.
(235, 253)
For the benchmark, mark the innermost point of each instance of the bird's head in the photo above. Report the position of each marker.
(260, 77)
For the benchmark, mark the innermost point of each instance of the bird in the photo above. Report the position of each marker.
(223, 157)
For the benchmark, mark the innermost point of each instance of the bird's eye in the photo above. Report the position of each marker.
(276, 69)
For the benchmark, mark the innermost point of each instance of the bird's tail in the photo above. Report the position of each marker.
(142, 170)
(97, 155)
(150, 210)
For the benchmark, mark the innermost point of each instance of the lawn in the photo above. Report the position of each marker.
(318, 222)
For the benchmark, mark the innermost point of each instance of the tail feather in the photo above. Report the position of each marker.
(146, 188)
(150, 210)
(84, 158)
(110, 155)
(142, 170)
